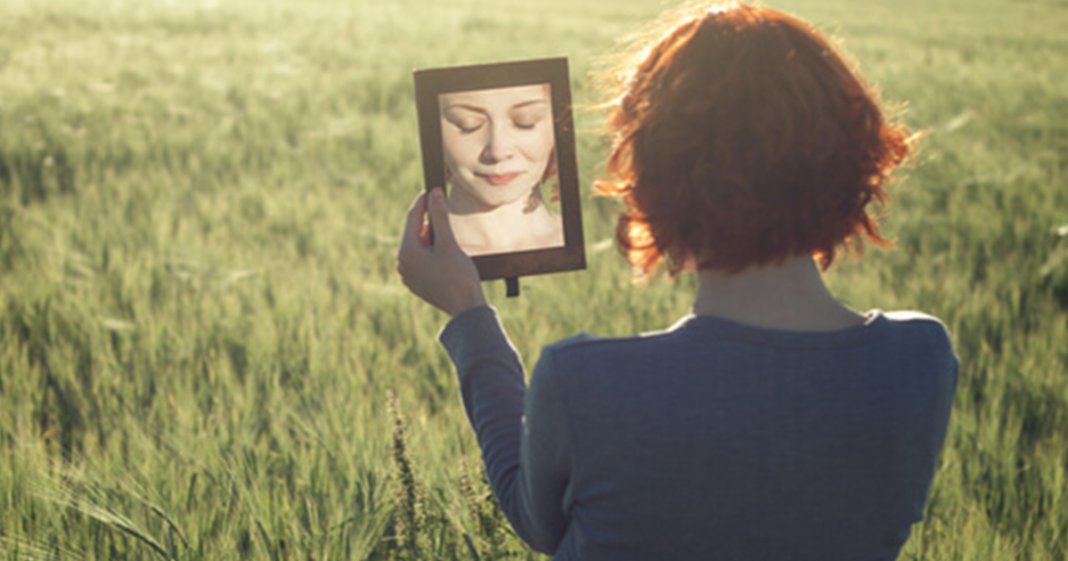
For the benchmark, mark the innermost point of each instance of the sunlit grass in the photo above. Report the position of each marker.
(200, 322)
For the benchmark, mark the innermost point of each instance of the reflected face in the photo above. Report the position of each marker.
(497, 142)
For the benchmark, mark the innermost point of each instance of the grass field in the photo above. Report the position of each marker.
(201, 328)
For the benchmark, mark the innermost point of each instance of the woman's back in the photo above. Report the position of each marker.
(736, 442)
(713, 440)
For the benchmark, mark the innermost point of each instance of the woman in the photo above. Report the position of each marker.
(498, 147)
(772, 423)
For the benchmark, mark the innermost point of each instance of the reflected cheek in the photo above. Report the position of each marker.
(461, 153)
(538, 147)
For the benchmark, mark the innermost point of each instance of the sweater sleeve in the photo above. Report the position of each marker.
(522, 434)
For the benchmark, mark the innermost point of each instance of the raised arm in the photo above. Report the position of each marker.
(527, 461)
(522, 434)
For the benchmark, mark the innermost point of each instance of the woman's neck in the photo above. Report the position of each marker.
(508, 225)
(790, 296)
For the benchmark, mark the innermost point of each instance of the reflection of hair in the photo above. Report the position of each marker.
(550, 173)
(743, 138)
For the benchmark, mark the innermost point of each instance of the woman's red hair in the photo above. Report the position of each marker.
(742, 138)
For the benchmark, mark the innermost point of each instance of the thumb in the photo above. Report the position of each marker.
(438, 213)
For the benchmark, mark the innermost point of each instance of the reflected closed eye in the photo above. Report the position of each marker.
(465, 122)
(468, 127)
(528, 119)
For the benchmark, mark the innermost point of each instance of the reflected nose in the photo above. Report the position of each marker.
(499, 146)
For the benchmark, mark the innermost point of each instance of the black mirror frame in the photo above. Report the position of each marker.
(431, 82)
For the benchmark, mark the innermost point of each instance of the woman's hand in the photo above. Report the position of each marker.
(439, 271)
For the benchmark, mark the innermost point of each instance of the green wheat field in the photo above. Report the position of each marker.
(205, 352)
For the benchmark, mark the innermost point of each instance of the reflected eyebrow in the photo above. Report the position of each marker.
(473, 108)
(477, 109)
(529, 102)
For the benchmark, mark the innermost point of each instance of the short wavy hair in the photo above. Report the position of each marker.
(740, 138)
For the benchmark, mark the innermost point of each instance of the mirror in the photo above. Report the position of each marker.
(499, 137)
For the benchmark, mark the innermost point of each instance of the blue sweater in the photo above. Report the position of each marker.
(712, 439)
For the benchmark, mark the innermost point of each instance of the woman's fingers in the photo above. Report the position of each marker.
(413, 224)
(438, 213)
(432, 206)
(440, 273)
(412, 242)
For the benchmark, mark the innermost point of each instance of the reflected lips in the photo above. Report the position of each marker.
(499, 178)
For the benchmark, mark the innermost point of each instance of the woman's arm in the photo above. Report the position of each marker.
(523, 435)
(526, 457)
